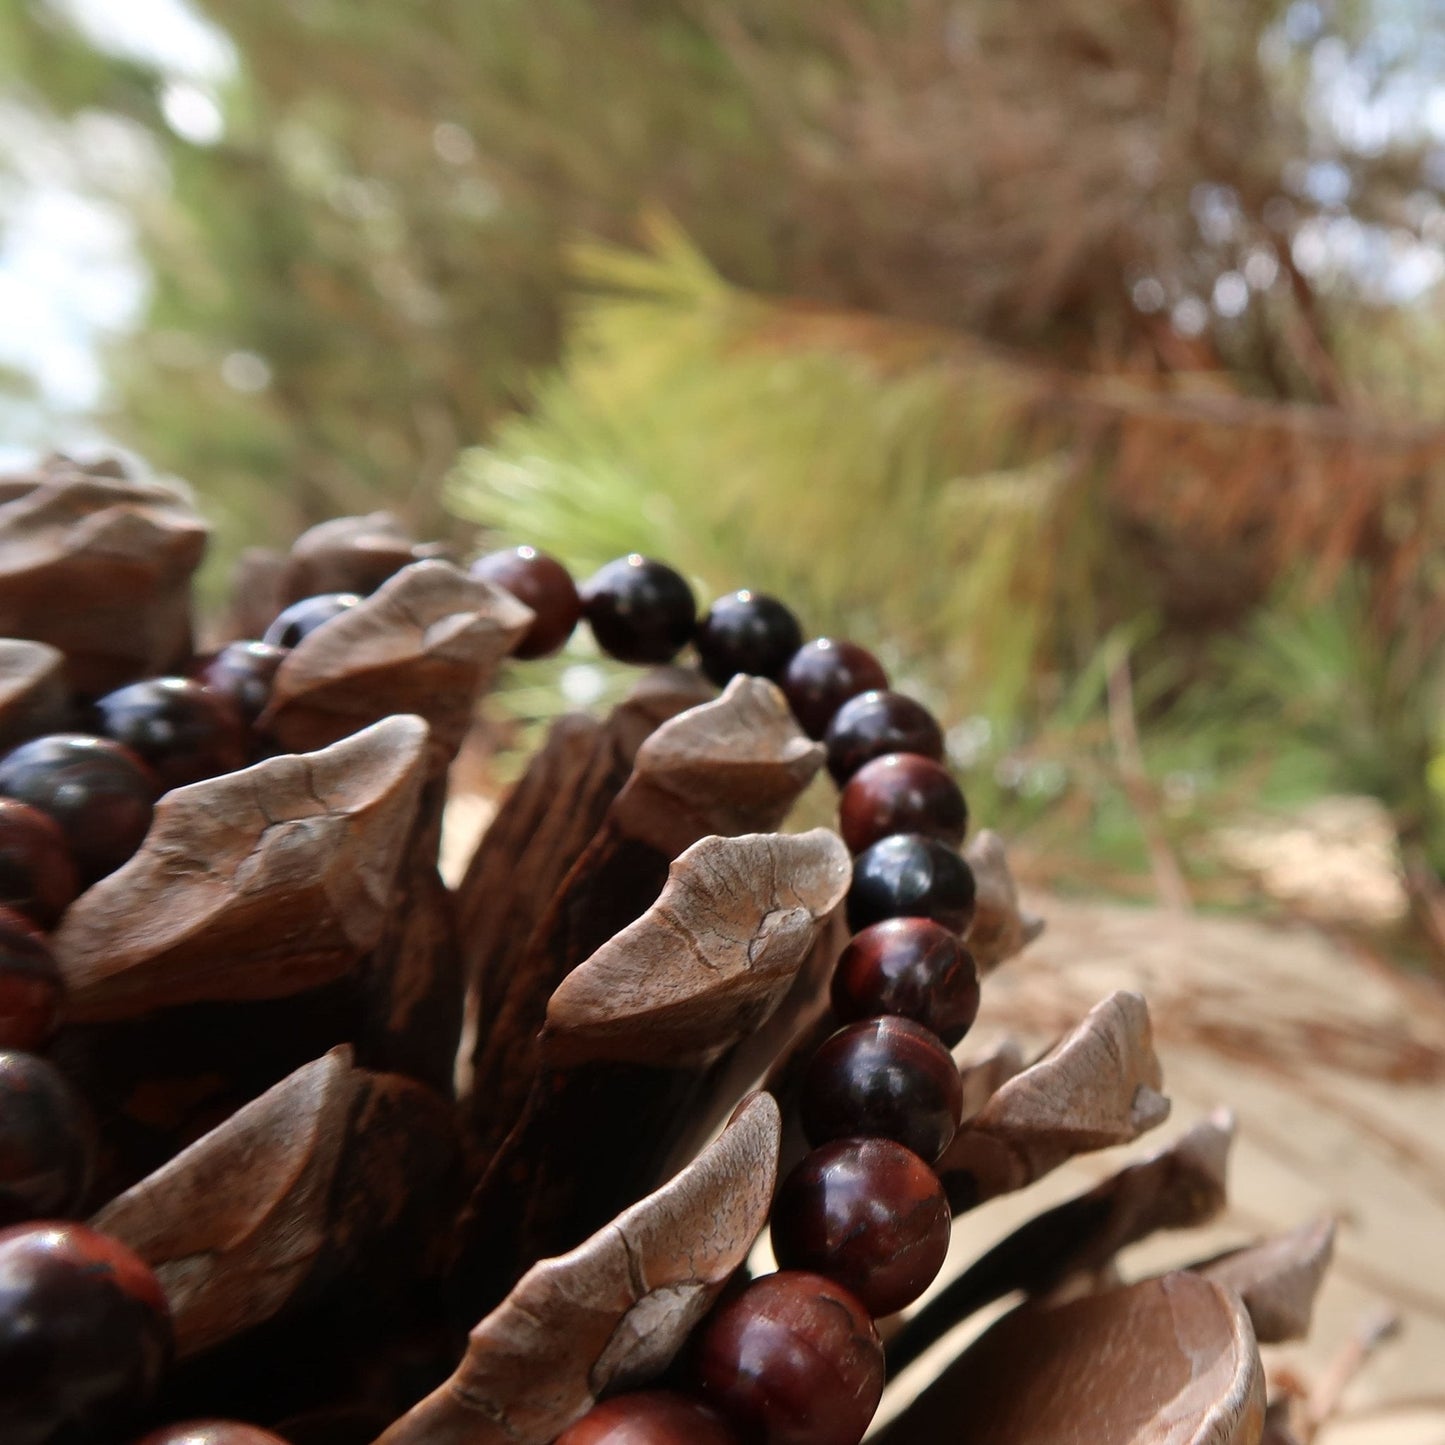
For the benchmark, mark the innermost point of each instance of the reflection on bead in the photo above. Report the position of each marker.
(540, 582)
(84, 1334)
(875, 723)
(887, 1078)
(639, 610)
(97, 791)
(37, 876)
(823, 674)
(211, 1432)
(301, 619)
(183, 731)
(912, 967)
(867, 1213)
(749, 633)
(652, 1417)
(243, 673)
(901, 793)
(31, 990)
(792, 1360)
(910, 876)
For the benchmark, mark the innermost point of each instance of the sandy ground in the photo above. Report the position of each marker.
(1336, 1069)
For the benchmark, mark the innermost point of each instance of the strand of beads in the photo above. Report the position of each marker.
(860, 1227)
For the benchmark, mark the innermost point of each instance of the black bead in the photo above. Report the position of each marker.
(46, 1141)
(640, 611)
(875, 723)
(747, 632)
(182, 730)
(243, 672)
(823, 674)
(302, 618)
(910, 876)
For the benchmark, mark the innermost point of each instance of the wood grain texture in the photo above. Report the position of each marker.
(613, 1312)
(99, 567)
(1169, 1361)
(1278, 1279)
(349, 554)
(1000, 927)
(427, 642)
(258, 884)
(1098, 1087)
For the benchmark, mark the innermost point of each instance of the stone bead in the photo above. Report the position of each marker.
(98, 792)
(47, 1141)
(85, 1334)
(31, 989)
(910, 876)
(749, 633)
(875, 723)
(913, 968)
(901, 793)
(37, 873)
(867, 1213)
(640, 611)
(298, 621)
(243, 673)
(651, 1417)
(887, 1078)
(211, 1432)
(792, 1359)
(540, 582)
(183, 731)
(823, 674)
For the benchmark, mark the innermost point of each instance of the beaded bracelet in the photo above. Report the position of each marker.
(860, 1227)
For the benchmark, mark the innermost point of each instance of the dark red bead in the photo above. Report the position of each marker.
(875, 723)
(541, 583)
(181, 729)
(37, 875)
(914, 968)
(749, 633)
(211, 1432)
(867, 1213)
(242, 673)
(823, 674)
(792, 1360)
(298, 621)
(910, 876)
(85, 1334)
(99, 793)
(639, 610)
(47, 1141)
(652, 1417)
(886, 1078)
(31, 990)
(901, 793)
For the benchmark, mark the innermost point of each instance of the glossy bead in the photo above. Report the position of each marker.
(37, 875)
(31, 991)
(301, 619)
(541, 583)
(242, 673)
(84, 1334)
(211, 1432)
(886, 1078)
(639, 610)
(47, 1141)
(651, 1417)
(181, 729)
(914, 968)
(910, 876)
(792, 1359)
(867, 1213)
(749, 633)
(823, 674)
(97, 791)
(875, 723)
(901, 793)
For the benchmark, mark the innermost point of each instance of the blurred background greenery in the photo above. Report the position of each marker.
(1089, 367)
